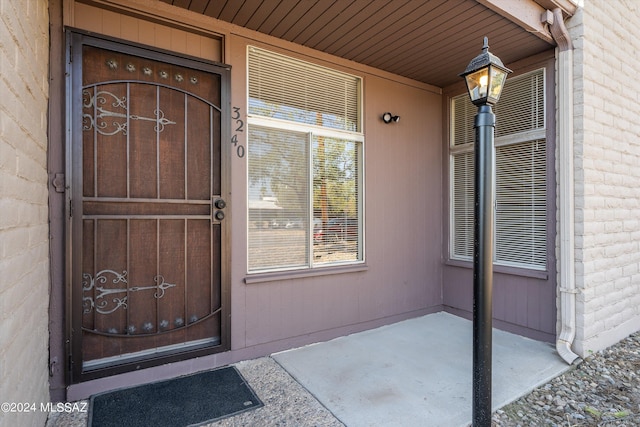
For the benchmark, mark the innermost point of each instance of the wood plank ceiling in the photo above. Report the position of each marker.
(431, 41)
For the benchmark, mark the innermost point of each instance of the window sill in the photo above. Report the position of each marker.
(502, 269)
(296, 274)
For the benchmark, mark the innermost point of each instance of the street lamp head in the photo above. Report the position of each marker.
(485, 76)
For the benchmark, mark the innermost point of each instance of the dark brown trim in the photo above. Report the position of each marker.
(74, 300)
(56, 165)
(225, 173)
(146, 51)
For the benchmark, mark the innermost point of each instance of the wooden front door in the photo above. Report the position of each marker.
(148, 273)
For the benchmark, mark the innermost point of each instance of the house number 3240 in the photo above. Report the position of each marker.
(238, 126)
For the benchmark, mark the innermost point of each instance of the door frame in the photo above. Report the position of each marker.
(75, 39)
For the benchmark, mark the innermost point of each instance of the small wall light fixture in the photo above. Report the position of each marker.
(388, 118)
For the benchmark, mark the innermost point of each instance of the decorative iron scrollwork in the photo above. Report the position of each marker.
(98, 122)
(102, 305)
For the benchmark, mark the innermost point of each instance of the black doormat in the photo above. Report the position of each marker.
(184, 401)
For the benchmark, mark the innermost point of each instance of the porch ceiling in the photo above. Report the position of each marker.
(429, 41)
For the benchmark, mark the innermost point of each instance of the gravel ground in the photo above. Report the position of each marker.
(604, 390)
(286, 403)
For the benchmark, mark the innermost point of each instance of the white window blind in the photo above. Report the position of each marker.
(286, 88)
(521, 106)
(521, 210)
(462, 221)
(304, 165)
(462, 113)
(520, 174)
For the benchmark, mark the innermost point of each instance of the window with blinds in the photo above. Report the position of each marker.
(286, 88)
(520, 175)
(304, 165)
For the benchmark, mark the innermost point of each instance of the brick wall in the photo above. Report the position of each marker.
(606, 37)
(24, 244)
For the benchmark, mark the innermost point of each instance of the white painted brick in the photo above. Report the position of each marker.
(24, 246)
(8, 216)
(607, 149)
(594, 328)
(15, 240)
(606, 39)
(613, 320)
(628, 291)
(612, 226)
(8, 158)
(593, 253)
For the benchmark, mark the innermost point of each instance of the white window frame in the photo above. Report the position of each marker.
(311, 131)
(501, 141)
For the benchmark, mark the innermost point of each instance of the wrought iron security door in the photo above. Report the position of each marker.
(147, 208)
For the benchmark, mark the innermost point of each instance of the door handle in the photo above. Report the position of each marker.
(220, 204)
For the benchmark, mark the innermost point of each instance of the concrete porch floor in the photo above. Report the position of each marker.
(416, 372)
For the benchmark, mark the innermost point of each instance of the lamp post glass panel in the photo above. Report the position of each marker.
(478, 83)
(485, 76)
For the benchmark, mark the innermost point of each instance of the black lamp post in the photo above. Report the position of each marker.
(485, 76)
